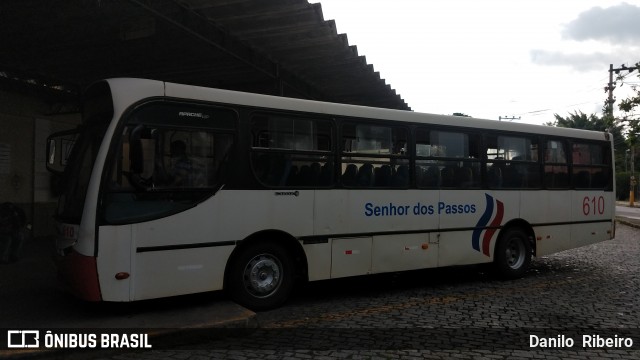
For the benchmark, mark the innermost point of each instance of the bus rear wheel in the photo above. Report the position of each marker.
(261, 276)
(512, 257)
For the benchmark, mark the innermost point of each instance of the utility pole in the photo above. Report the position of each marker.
(610, 88)
(632, 184)
(610, 101)
(500, 118)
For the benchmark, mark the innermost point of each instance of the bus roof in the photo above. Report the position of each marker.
(140, 87)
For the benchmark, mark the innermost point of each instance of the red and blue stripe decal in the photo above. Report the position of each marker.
(495, 210)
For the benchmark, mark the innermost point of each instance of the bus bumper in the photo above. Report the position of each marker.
(79, 274)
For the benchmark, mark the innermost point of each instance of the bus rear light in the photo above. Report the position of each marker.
(122, 276)
(425, 246)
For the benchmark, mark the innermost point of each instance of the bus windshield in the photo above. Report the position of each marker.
(76, 176)
(96, 116)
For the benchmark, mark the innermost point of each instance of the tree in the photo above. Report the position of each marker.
(579, 120)
(629, 106)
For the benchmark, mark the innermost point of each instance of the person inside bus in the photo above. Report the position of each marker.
(181, 172)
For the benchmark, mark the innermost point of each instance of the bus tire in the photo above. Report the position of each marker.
(512, 257)
(261, 276)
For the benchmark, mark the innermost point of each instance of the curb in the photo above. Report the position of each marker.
(624, 221)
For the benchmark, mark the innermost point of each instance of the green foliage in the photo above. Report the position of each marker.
(630, 105)
(579, 120)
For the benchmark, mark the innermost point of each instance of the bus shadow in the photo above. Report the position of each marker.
(368, 285)
(460, 278)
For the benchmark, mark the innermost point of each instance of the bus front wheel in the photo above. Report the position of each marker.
(261, 276)
(513, 254)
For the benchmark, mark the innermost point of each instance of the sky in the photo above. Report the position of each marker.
(495, 58)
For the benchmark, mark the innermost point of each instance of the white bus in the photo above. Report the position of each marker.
(174, 189)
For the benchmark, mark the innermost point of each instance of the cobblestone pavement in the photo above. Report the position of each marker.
(461, 313)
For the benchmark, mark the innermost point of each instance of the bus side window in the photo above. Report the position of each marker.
(447, 159)
(512, 162)
(191, 159)
(291, 151)
(556, 168)
(591, 166)
(374, 156)
(164, 163)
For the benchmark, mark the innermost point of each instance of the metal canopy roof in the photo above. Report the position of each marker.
(280, 47)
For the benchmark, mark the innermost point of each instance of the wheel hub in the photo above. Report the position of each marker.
(262, 275)
(515, 254)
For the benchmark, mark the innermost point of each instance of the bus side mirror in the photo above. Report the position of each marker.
(58, 149)
(51, 152)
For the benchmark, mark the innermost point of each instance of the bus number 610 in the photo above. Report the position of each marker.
(593, 205)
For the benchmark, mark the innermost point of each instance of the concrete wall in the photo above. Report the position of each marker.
(25, 123)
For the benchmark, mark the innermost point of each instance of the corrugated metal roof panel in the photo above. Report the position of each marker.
(281, 47)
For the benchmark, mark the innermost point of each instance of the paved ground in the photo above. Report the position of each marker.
(442, 313)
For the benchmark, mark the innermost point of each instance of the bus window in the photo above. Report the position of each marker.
(556, 169)
(512, 162)
(290, 151)
(447, 159)
(591, 166)
(374, 156)
(190, 159)
(162, 169)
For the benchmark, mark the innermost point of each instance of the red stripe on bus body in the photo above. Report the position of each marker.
(486, 241)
